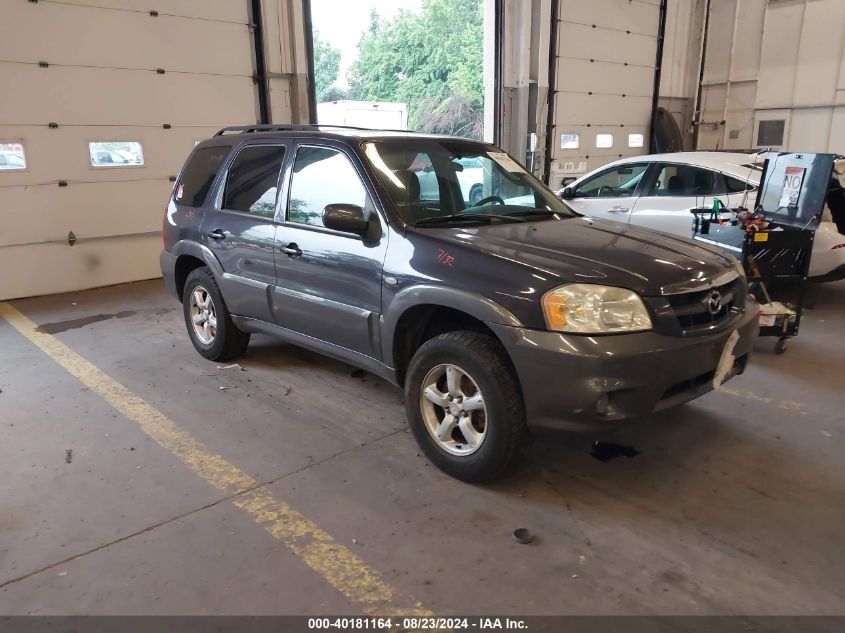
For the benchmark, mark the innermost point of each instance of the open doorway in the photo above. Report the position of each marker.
(419, 65)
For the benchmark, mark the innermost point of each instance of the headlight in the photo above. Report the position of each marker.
(739, 267)
(592, 309)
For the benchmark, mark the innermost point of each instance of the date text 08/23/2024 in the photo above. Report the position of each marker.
(415, 623)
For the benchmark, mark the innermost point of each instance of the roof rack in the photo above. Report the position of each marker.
(283, 127)
(728, 150)
(296, 127)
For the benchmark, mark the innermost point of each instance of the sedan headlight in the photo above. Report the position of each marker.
(593, 309)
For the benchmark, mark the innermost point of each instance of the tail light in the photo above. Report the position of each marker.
(164, 230)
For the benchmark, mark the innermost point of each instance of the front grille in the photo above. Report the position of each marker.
(705, 310)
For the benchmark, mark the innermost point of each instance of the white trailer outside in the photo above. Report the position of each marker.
(377, 115)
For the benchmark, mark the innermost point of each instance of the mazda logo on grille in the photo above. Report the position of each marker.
(713, 301)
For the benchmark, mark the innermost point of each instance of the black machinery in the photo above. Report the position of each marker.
(774, 242)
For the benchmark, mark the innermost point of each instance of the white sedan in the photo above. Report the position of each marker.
(658, 191)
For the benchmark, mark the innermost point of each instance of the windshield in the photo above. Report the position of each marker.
(440, 182)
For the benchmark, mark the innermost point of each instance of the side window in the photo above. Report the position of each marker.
(322, 176)
(116, 153)
(684, 180)
(251, 185)
(199, 174)
(735, 185)
(12, 156)
(570, 141)
(618, 182)
(604, 141)
(770, 133)
(636, 140)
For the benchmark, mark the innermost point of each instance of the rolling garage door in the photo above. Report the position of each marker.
(605, 76)
(144, 85)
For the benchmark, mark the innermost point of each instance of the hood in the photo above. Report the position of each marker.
(585, 250)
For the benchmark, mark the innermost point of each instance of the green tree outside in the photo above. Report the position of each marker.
(431, 60)
(326, 67)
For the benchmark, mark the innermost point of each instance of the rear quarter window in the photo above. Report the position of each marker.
(198, 175)
(735, 185)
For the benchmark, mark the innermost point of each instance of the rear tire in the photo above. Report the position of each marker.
(210, 326)
(468, 369)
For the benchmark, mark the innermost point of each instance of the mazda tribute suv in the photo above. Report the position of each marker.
(497, 309)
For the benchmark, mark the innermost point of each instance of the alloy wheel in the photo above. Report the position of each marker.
(453, 410)
(203, 315)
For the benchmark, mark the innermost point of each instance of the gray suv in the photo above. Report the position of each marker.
(496, 312)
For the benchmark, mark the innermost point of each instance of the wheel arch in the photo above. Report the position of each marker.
(420, 313)
(189, 257)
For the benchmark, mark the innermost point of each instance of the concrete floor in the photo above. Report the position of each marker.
(735, 503)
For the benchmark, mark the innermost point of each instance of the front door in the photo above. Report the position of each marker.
(241, 232)
(610, 194)
(328, 283)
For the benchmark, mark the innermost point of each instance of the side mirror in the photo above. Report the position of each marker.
(568, 193)
(348, 218)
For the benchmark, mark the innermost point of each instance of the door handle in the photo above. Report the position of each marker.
(217, 235)
(292, 250)
(618, 209)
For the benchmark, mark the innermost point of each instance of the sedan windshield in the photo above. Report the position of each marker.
(434, 182)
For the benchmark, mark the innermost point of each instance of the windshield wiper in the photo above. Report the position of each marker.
(437, 219)
(529, 212)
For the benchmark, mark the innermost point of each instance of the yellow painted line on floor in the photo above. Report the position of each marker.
(339, 566)
(789, 405)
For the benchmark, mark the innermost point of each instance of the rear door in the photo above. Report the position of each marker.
(611, 193)
(240, 230)
(671, 190)
(328, 283)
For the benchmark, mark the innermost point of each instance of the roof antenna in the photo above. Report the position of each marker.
(750, 170)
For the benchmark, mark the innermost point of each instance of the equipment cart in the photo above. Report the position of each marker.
(775, 242)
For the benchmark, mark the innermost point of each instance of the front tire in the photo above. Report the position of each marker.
(463, 405)
(210, 326)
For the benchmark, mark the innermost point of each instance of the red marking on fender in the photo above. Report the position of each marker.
(444, 258)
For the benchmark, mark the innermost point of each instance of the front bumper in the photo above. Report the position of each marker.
(836, 274)
(584, 382)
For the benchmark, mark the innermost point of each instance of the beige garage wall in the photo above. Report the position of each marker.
(605, 75)
(786, 62)
(102, 84)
